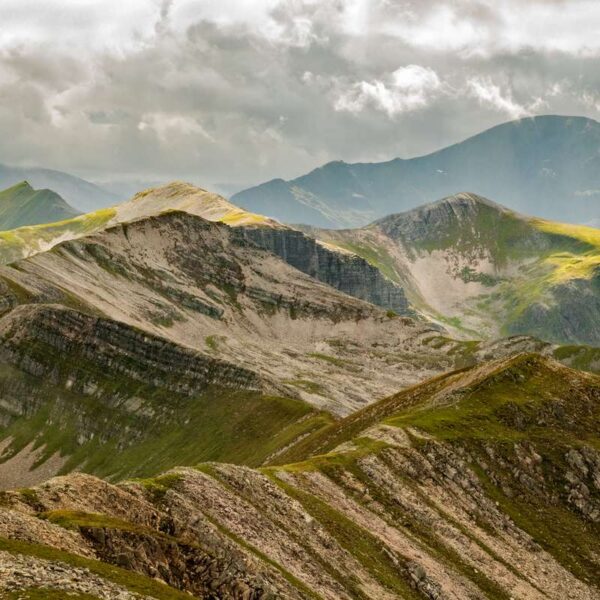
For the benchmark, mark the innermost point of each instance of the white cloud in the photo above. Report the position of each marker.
(406, 89)
(490, 94)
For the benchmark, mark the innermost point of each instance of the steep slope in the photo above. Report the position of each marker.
(172, 339)
(22, 205)
(478, 484)
(82, 195)
(345, 271)
(206, 286)
(488, 271)
(547, 166)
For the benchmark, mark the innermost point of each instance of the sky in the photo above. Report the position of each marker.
(229, 93)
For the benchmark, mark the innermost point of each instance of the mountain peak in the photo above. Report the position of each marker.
(183, 196)
(22, 186)
(22, 205)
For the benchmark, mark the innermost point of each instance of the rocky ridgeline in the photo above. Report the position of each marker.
(346, 272)
(65, 346)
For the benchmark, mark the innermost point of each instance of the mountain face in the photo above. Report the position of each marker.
(482, 483)
(345, 271)
(481, 268)
(80, 194)
(547, 166)
(22, 205)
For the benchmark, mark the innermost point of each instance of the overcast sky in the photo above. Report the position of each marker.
(240, 91)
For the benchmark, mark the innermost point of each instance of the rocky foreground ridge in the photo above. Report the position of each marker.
(482, 483)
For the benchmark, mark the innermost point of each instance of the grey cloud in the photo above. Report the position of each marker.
(226, 101)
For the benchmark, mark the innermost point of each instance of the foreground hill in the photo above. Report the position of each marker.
(481, 268)
(547, 166)
(79, 193)
(482, 483)
(22, 205)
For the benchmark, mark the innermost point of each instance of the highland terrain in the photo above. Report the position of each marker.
(196, 400)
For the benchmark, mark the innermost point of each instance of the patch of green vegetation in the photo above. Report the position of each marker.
(308, 386)
(586, 358)
(30, 497)
(338, 362)
(134, 582)
(211, 342)
(157, 487)
(74, 519)
(468, 274)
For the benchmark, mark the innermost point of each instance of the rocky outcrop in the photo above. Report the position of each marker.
(344, 271)
(65, 346)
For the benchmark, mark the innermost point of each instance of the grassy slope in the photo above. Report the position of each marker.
(24, 241)
(130, 429)
(524, 400)
(551, 254)
(22, 205)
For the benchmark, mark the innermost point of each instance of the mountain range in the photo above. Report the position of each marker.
(547, 166)
(201, 401)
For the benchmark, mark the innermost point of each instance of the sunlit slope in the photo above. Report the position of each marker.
(482, 269)
(24, 241)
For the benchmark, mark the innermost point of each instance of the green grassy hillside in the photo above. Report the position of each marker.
(22, 205)
(486, 271)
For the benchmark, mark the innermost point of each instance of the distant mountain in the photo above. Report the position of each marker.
(22, 205)
(481, 268)
(547, 166)
(80, 194)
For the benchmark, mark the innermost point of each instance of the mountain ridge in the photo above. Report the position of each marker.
(534, 165)
(21, 205)
(471, 262)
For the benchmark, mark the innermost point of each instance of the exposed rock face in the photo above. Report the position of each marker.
(344, 271)
(34, 336)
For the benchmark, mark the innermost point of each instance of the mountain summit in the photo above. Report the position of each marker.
(547, 166)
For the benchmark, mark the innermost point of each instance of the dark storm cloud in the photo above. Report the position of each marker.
(240, 91)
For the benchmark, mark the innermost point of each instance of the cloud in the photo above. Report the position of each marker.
(406, 89)
(238, 91)
(488, 93)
